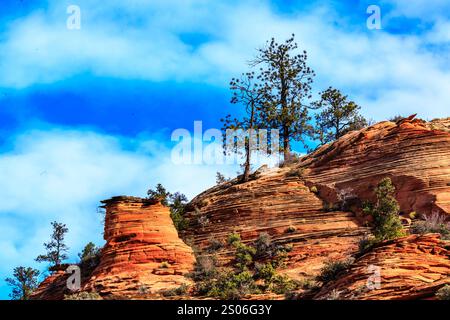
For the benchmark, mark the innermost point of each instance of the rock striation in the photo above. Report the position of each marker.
(312, 205)
(143, 253)
(53, 287)
(413, 153)
(280, 204)
(413, 267)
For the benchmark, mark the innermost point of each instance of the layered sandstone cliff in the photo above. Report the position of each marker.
(281, 205)
(313, 205)
(142, 257)
(413, 267)
(413, 153)
(143, 253)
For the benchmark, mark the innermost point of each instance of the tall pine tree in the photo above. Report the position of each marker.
(56, 248)
(247, 92)
(287, 81)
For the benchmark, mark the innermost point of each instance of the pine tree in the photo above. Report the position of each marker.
(160, 194)
(287, 80)
(56, 248)
(338, 117)
(220, 178)
(246, 92)
(177, 205)
(23, 283)
(89, 257)
(385, 212)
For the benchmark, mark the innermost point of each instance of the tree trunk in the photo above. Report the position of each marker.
(248, 149)
(286, 145)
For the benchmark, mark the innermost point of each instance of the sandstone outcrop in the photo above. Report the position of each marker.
(53, 287)
(413, 153)
(277, 203)
(142, 257)
(313, 205)
(413, 267)
(143, 253)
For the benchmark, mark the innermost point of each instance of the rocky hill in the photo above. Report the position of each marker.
(313, 204)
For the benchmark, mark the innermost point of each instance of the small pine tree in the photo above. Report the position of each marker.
(220, 178)
(339, 116)
(386, 221)
(89, 257)
(177, 205)
(56, 248)
(89, 251)
(160, 194)
(23, 283)
(175, 201)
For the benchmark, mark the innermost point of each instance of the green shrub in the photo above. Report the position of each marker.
(443, 293)
(313, 189)
(265, 271)
(366, 244)
(244, 255)
(281, 284)
(164, 265)
(231, 286)
(331, 270)
(386, 221)
(308, 284)
(239, 280)
(233, 237)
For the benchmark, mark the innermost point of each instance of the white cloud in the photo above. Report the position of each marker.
(62, 175)
(143, 40)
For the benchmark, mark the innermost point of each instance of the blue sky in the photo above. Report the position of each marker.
(87, 114)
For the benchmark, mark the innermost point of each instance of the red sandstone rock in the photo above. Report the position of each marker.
(416, 155)
(143, 254)
(412, 153)
(273, 203)
(413, 267)
(52, 288)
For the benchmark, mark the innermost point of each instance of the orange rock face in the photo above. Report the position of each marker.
(52, 288)
(279, 204)
(413, 153)
(313, 205)
(413, 267)
(143, 254)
